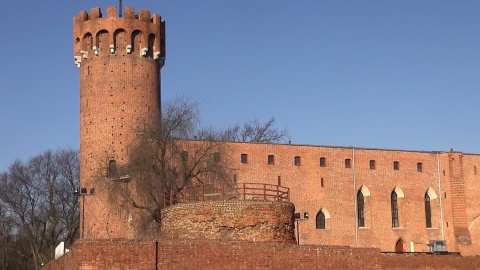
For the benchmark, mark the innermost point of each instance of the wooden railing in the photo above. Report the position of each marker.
(244, 191)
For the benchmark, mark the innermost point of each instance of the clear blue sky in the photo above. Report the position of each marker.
(378, 74)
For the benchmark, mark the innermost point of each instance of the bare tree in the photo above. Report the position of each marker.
(177, 152)
(255, 131)
(37, 197)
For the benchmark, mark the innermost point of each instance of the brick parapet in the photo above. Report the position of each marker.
(168, 254)
(255, 221)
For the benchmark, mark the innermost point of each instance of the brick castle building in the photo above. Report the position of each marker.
(391, 200)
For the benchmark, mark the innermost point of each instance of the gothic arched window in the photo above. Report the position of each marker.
(394, 202)
(428, 211)
(320, 220)
(360, 209)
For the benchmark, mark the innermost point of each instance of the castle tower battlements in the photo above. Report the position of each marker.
(119, 59)
(133, 33)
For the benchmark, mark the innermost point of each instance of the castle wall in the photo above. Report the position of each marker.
(205, 254)
(254, 221)
(451, 206)
(471, 172)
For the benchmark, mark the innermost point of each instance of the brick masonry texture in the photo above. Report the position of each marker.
(205, 254)
(254, 221)
(119, 61)
(451, 179)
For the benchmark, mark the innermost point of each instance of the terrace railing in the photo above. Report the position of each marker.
(243, 191)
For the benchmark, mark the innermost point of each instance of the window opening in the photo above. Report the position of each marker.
(297, 161)
(372, 164)
(271, 160)
(419, 167)
(360, 209)
(320, 220)
(112, 168)
(244, 158)
(348, 163)
(394, 202)
(396, 165)
(323, 162)
(428, 211)
(216, 157)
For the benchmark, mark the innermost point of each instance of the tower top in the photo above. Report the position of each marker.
(89, 26)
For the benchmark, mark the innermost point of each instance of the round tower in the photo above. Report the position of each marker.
(119, 60)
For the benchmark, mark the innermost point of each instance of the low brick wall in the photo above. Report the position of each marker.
(176, 254)
(428, 261)
(254, 221)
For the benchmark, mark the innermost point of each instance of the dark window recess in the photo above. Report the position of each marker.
(112, 168)
(396, 165)
(372, 164)
(216, 157)
(394, 203)
(321, 182)
(360, 209)
(271, 159)
(320, 220)
(184, 155)
(348, 163)
(428, 211)
(244, 158)
(297, 161)
(419, 167)
(323, 162)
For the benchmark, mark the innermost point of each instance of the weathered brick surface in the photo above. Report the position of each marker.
(119, 61)
(212, 255)
(450, 175)
(255, 221)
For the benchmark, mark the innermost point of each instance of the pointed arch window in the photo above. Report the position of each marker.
(394, 203)
(428, 211)
(320, 220)
(360, 209)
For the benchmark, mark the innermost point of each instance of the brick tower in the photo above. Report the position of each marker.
(119, 60)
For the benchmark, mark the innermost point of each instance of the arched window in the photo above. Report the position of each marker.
(296, 161)
(112, 168)
(428, 211)
(360, 209)
(399, 246)
(320, 220)
(394, 202)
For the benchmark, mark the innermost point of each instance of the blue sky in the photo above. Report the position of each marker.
(377, 74)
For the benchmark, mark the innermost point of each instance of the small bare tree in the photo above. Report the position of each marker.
(255, 131)
(177, 152)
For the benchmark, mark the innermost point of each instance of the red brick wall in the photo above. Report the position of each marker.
(119, 92)
(338, 195)
(471, 173)
(212, 255)
(254, 221)
(424, 261)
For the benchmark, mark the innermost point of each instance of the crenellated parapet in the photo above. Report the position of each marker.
(142, 34)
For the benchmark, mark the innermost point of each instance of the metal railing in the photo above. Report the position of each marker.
(244, 191)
